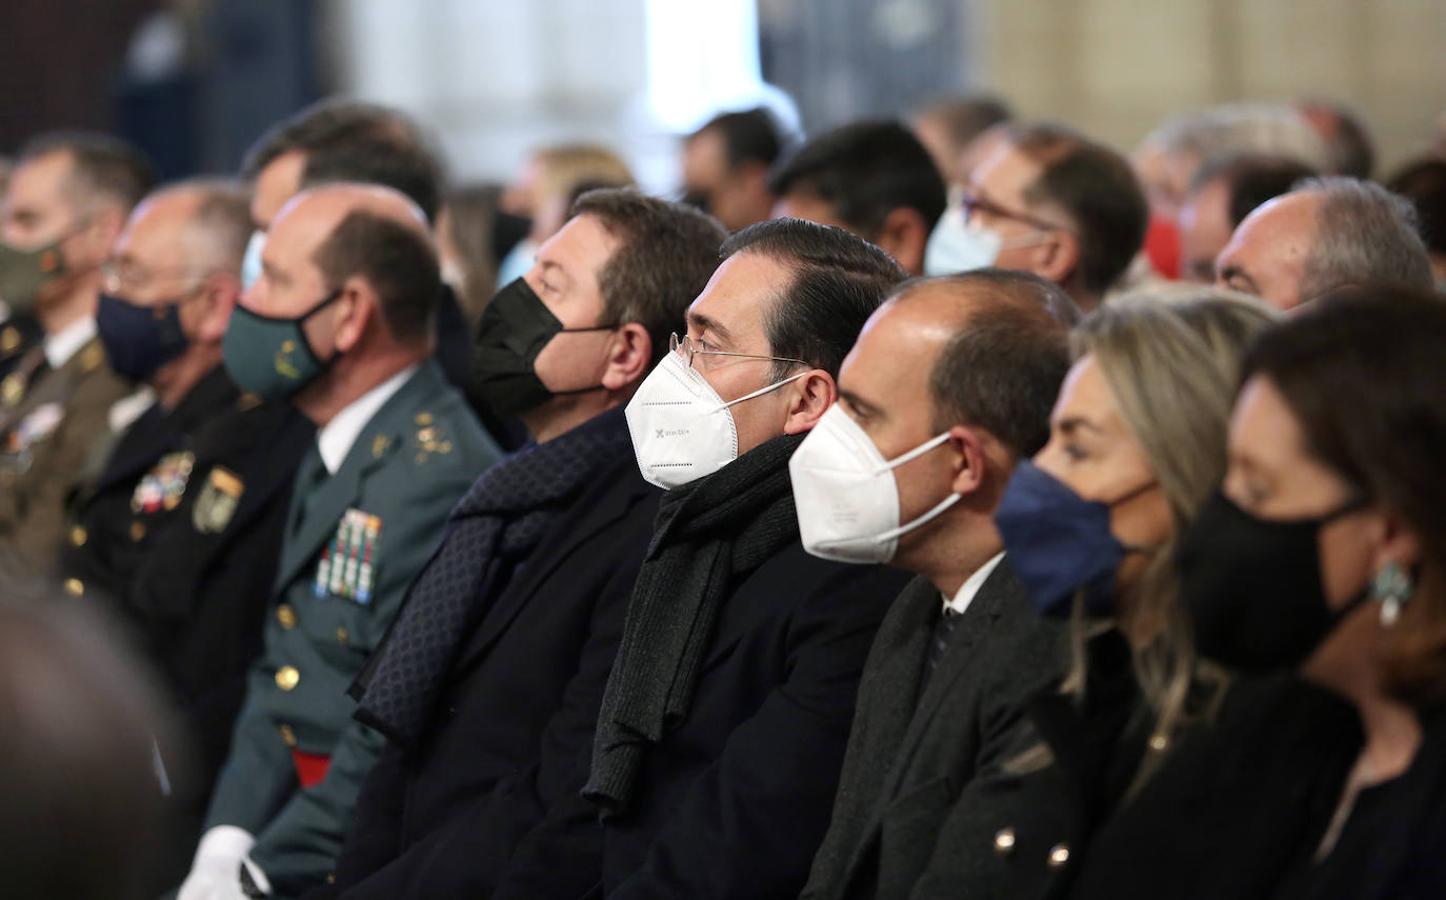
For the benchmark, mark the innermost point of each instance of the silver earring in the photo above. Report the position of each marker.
(1392, 588)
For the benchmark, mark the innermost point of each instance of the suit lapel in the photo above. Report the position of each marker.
(321, 507)
(957, 663)
(539, 566)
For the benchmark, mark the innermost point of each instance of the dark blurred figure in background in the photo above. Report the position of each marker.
(726, 164)
(1348, 141)
(1423, 183)
(66, 202)
(182, 528)
(1326, 234)
(469, 238)
(947, 126)
(871, 178)
(1223, 193)
(84, 811)
(1052, 202)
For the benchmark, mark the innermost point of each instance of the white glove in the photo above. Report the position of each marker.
(216, 870)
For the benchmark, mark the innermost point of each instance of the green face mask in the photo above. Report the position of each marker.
(270, 357)
(24, 272)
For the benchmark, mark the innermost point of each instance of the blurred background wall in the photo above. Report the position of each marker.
(196, 80)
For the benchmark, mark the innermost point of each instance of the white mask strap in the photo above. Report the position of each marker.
(913, 454)
(761, 391)
(923, 520)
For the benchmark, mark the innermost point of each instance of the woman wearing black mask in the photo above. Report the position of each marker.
(1137, 444)
(1323, 560)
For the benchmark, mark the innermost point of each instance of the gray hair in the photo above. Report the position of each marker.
(1233, 129)
(1364, 233)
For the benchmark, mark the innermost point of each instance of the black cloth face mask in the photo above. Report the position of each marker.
(1253, 586)
(513, 329)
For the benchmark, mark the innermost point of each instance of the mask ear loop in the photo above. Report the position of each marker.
(939, 509)
(758, 393)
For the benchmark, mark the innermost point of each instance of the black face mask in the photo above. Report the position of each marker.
(1253, 586)
(514, 328)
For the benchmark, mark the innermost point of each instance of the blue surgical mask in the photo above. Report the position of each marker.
(251, 262)
(1059, 544)
(957, 246)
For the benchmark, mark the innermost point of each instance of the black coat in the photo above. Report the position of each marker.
(1240, 807)
(913, 757)
(522, 704)
(734, 801)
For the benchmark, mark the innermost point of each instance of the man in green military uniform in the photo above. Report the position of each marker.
(341, 321)
(63, 208)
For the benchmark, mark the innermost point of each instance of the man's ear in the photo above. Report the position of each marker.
(903, 235)
(217, 300)
(630, 357)
(970, 456)
(1057, 259)
(808, 399)
(354, 308)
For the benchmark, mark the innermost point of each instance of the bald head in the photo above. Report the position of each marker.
(986, 349)
(1326, 234)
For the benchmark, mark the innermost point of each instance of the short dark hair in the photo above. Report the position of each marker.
(1003, 367)
(1251, 179)
(752, 135)
(1096, 189)
(1362, 370)
(1347, 140)
(1364, 233)
(865, 171)
(839, 279)
(666, 254)
(346, 140)
(1423, 183)
(965, 118)
(101, 165)
(399, 263)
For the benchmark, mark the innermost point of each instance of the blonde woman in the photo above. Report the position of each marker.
(1137, 444)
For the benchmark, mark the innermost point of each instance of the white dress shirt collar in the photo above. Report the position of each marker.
(64, 344)
(960, 602)
(335, 439)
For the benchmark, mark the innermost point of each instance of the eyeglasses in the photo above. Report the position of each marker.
(687, 348)
(971, 201)
(120, 277)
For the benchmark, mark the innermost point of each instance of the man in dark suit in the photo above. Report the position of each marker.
(541, 555)
(725, 717)
(950, 384)
(340, 323)
(182, 527)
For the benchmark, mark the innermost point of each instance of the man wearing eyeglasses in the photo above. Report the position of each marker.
(724, 719)
(63, 207)
(1051, 202)
(190, 501)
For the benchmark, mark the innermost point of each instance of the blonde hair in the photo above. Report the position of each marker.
(564, 167)
(1172, 360)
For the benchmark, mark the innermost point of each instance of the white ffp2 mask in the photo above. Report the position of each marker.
(251, 262)
(846, 495)
(681, 429)
(956, 246)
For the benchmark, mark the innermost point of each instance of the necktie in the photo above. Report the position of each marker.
(939, 640)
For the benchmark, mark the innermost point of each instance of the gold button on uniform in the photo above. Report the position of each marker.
(1159, 743)
(75, 587)
(286, 615)
(138, 531)
(288, 737)
(78, 536)
(1058, 856)
(342, 637)
(287, 677)
(1004, 842)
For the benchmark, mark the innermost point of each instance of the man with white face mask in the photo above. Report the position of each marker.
(950, 383)
(725, 717)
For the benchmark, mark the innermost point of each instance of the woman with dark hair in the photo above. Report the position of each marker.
(1319, 573)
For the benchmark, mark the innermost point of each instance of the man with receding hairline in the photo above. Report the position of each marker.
(339, 324)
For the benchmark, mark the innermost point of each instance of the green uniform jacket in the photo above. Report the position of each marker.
(354, 542)
(51, 441)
